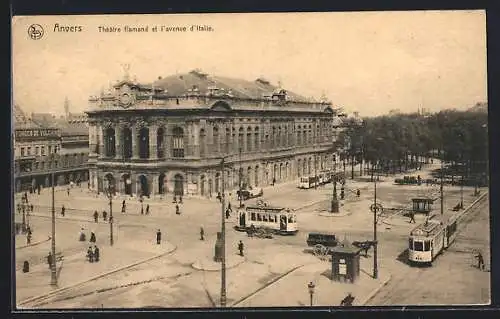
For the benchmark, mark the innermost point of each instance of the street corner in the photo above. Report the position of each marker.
(208, 263)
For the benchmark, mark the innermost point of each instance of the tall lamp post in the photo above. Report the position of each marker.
(310, 288)
(53, 277)
(441, 186)
(375, 244)
(223, 248)
(240, 177)
(110, 197)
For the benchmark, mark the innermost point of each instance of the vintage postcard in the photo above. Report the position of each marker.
(250, 160)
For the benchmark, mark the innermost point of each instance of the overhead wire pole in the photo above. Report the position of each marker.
(375, 244)
(240, 177)
(441, 186)
(223, 231)
(53, 277)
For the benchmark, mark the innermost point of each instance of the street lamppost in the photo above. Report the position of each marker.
(110, 197)
(223, 233)
(311, 287)
(53, 277)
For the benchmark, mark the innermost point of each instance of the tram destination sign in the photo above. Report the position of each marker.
(36, 133)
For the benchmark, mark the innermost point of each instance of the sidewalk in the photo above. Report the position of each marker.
(75, 269)
(292, 290)
(37, 239)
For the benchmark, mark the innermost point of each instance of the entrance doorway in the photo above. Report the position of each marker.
(178, 185)
(144, 187)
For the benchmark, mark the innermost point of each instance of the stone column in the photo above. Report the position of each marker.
(118, 142)
(153, 142)
(135, 141)
(155, 181)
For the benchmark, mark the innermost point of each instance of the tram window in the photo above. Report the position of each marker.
(259, 218)
(410, 243)
(264, 217)
(427, 245)
(253, 216)
(290, 219)
(419, 246)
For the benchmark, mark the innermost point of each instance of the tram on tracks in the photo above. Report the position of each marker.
(431, 238)
(321, 178)
(278, 220)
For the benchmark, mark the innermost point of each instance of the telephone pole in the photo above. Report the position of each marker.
(223, 231)
(53, 277)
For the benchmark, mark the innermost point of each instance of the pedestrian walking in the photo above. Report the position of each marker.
(147, 209)
(229, 205)
(90, 255)
(202, 233)
(274, 181)
(96, 216)
(175, 199)
(412, 217)
(180, 199)
(49, 260)
(142, 210)
(31, 208)
(82, 236)
(123, 207)
(104, 215)
(68, 191)
(240, 248)
(63, 211)
(358, 193)
(96, 254)
(158, 237)
(177, 209)
(219, 198)
(92, 237)
(480, 261)
(228, 213)
(28, 238)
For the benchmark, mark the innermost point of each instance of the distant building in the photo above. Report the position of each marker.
(170, 136)
(45, 144)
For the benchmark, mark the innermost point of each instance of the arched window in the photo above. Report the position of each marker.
(178, 142)
(127, 143)
(228, 140)
(110, 150)
(144, 142)
(249, 139)
(256, 138)
(160, 134)
(202, 143)
(215, 135)
(240, 139)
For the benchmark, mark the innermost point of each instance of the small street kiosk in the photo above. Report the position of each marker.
(345, 262)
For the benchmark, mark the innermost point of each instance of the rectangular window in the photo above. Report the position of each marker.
(50, 149)
(419, 246)
(253, 216)
(37, 151)
(22, 151)
(259, 218)
(29, 151)
(427, 245)
(43, 150)
(178, 147)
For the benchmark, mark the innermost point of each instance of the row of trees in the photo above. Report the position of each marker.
(399, 142)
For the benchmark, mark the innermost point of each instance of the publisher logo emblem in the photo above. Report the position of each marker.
(35, 31)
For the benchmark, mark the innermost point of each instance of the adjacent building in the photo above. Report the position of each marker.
(170, 136)
(45, 144)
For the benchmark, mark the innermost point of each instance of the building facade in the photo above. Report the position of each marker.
(170, 137)
(44, 145)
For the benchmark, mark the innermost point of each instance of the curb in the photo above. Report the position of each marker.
(376, 291)
(34, 244)
(267, 285)
(227, 267)
(331, 215)
(54, 292)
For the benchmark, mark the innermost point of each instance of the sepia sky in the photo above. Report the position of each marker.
(367, 62)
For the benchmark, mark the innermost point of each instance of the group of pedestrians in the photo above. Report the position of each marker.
(93, 254)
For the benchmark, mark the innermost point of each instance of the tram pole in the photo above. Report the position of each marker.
(375, 244)
(441, 186)
(53, 275)
(223, 231)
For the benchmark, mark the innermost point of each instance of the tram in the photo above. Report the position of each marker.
(431, 238)
(279, 220)
(307, 182)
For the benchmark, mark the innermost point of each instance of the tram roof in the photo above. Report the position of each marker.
(431, 227)
(262, 207)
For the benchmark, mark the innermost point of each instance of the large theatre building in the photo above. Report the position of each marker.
(170, 137)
